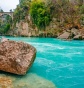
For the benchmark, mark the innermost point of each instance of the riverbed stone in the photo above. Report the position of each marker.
(29, 80)
(16, 57)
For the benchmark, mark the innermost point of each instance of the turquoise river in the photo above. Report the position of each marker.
(60, 62)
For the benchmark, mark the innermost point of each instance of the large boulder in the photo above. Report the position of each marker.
(16, 57)
(65, 35)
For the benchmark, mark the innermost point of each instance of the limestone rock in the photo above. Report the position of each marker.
(16, 57)
(78, 37)
(65, 35)
(83, 37)
(74, 31)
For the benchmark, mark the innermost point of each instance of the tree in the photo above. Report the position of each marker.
(40, 14)
(21, 11)
(67, 13)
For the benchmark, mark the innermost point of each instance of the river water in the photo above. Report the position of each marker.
(59, 62)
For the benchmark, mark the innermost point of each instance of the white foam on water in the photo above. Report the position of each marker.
(45, 62)
(48, 45)
(65, 65)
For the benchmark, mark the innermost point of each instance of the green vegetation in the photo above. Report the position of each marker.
(40, 13)
(4, 28)
(82, 9)
(21, 11)
(67, 14)
(23, 1)
(5, 24)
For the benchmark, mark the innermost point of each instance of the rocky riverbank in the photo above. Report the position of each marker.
(73, 34)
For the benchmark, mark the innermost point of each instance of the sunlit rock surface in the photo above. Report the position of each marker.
(65, 35)
(28, 81)
(5, 82)
(16, 57)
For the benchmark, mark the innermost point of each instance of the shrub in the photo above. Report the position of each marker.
(6, 28)
(21, 11)
(40, 13)
(82, 9)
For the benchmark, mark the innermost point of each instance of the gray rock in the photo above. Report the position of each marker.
(65, 35)
(16, 57)
(82, 37)
(78, 37)
(74, 31)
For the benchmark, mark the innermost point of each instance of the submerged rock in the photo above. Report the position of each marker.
(28, 81)
(16, 57)
(5, 82)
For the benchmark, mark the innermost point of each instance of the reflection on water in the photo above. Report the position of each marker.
(28, 81)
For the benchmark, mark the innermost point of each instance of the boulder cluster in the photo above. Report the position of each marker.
(73, 34)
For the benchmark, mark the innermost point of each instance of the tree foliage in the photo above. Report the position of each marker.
(5, 24)
(68, 13)
(40, 13)
(82, 9)
(21, 11)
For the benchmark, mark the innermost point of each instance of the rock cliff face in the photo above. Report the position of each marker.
(16, 57)
(25, 29)
(54, 29)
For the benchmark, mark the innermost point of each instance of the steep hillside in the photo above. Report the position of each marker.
(48, 18)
